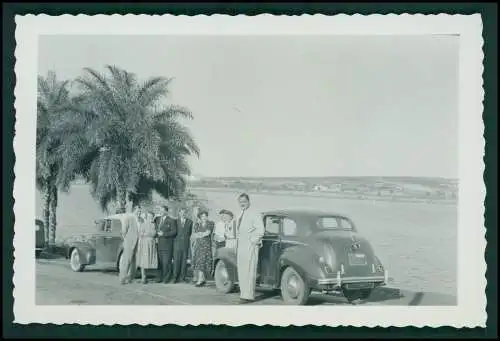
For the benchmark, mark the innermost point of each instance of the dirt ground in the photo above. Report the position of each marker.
(57, 284)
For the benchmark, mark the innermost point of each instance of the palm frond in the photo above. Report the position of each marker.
(152, 90)
(172, 112)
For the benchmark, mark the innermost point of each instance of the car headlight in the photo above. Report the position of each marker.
(37, 228)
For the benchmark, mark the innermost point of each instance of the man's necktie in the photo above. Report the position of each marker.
(239, 221)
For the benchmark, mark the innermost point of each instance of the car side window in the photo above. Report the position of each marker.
(115, 226)
(107, 226)
(272, 224)
(101, 225)
(289, 227)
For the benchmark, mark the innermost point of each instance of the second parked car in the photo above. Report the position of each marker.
(304, 250)
(103, 246)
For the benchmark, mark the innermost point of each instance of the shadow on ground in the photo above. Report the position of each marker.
(378, 295)
(385, 294)
(51, 254)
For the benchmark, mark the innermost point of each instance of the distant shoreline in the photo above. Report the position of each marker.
(395, 199)
(319, 194)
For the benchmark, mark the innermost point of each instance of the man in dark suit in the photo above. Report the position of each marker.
(167, 230)
(181, 246)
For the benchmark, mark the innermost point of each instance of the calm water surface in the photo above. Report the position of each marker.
(416, 242)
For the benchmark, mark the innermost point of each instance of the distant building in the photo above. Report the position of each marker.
(319, 188)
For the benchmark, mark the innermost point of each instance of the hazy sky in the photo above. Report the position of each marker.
(296, 105)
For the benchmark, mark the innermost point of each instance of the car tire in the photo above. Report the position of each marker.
(223, 283)
(74, 261)
(294, 290)
(38, 253)
(353, 295)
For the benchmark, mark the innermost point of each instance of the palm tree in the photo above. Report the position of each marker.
(52, 99)
(124, 140)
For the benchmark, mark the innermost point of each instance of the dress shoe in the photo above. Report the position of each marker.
(245, 301)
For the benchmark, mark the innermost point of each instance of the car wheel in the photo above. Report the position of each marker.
(223, 282)
(38, 253)
(74, 261)
(294, 290)
(353, 295)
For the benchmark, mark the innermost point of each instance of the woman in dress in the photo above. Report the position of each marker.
(195, 219)
(147, 253)
(202, 248)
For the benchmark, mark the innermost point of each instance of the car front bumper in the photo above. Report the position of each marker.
(334, 283)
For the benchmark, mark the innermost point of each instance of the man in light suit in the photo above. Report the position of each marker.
(130, 235)
(250, 230)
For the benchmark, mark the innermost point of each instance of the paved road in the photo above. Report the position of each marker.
(56, 284)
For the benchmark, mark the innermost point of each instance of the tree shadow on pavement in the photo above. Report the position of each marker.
(47, 255)
(102, 270)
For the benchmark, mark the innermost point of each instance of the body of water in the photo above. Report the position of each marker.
(416, 242)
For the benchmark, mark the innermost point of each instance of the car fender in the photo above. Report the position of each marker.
(304, 261)
(229, 257)
(83, 248)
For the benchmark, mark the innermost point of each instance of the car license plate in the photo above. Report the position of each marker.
(355, 286)
(357, 259)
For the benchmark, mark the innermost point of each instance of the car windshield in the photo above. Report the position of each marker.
(334, 223)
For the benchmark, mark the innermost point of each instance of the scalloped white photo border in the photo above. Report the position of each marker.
(470, 310)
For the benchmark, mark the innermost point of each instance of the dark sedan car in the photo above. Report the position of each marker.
(103, 246)
(305, 250)
(39, 237)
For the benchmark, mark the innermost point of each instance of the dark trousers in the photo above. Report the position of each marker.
(180, 263)
(165, 264)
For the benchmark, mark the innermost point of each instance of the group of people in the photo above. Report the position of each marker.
(155, 241)
(163, 242)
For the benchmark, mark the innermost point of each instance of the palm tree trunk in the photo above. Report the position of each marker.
(53, 215)
(122, 200)
(46, 214)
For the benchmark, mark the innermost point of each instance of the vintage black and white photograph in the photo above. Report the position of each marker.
(184, 169)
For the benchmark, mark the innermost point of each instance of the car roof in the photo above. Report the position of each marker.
(119, 216)
(302, 213)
